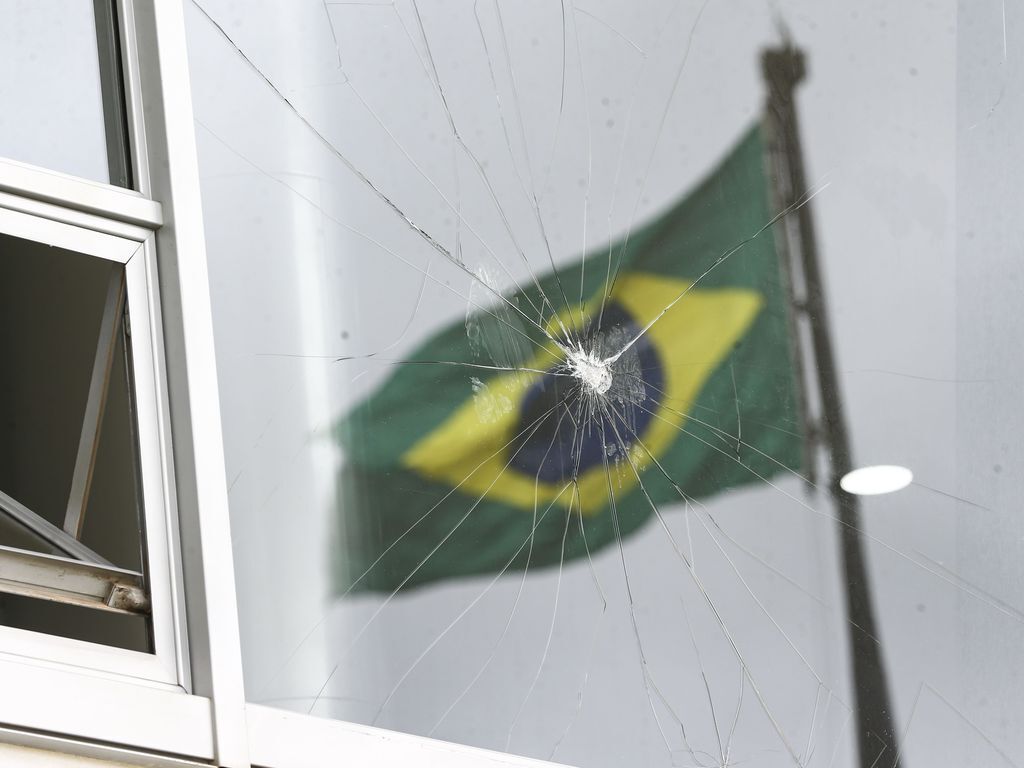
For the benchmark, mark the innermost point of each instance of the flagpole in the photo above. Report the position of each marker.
(783, 70)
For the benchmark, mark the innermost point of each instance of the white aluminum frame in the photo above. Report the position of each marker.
(168, 663)
(184, 705)
(90, 694)
(280, 739)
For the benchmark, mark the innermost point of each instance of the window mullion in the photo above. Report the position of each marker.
(192, 377)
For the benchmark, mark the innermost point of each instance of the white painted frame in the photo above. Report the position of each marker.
(97, 699)
(93, 679)
(168, 664)
(280, 739)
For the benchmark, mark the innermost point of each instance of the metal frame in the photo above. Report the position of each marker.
(28, 227)
(108, 35)
(102, 709)
(38, 750)
(73, 582)
(74, 194)
(95, 406)
(280, 739)
(148, 692)
(192, 389)
(58, 538)
(168, 663)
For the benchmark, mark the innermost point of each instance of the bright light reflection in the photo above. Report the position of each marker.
(871, 481)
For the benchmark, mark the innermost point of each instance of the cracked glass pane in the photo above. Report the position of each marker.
(550, 336)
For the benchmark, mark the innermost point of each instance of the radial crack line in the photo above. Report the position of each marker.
(721, 549)
(535, 424)
(707, 685)
(1008, 611)
(412, 225)
(804, 200)
(376, 243)
(519, 592)
(657, 138)
(593, 642)
(622, 151)
(465, 611)
(551, 627)
(644, 669)
(718, 617)
(478, 166)
(530, 196)
(426, 558)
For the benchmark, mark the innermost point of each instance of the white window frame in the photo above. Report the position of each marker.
(58, 692)
(185, 705)
(168, 664)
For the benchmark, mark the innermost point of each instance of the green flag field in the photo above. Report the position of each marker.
(655, 371)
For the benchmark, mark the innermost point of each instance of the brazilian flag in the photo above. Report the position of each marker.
(502, 444)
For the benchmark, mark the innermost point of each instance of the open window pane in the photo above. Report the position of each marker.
(61, 88)
(68, 456)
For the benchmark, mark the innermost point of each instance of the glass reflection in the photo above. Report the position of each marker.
(60, 83)
(546, 333)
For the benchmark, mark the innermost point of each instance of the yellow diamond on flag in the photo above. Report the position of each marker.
(475, 448)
